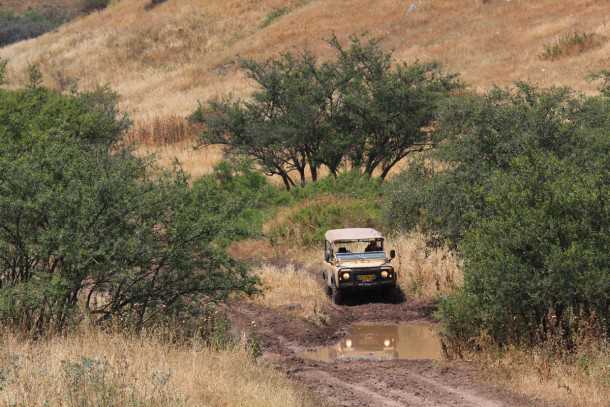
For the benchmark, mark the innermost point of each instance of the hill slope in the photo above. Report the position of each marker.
(163, 60)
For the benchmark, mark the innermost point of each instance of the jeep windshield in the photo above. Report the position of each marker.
(360, 250)
(361, 256)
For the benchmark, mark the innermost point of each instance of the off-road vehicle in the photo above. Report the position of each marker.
(355, 260)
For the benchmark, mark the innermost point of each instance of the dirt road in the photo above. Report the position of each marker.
(372, 383)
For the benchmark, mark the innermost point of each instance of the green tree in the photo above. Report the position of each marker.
(285, 124)
(387, 109)
(357, 110)
(84, 220)
(520, 184)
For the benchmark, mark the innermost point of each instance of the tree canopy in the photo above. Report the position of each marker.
(84, 224)
(359, 110)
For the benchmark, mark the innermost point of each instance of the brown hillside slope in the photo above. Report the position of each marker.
(163, 60)
(22, 5)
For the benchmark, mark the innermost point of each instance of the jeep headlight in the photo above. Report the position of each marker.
(387, 272)
(345, 276)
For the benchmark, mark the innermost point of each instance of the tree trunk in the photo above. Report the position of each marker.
(314, 171)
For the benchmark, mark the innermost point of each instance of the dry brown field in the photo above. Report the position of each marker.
(165, 59)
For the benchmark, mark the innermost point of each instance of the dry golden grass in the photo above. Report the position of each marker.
(163, 131)
(22, 5)
(163, 60)
(96, 369)
(580, 380)
(424, 273)
(196, 162)
(292, 290)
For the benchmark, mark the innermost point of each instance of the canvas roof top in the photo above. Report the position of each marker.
(335, 235)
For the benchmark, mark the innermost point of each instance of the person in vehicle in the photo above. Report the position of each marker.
(373, 246)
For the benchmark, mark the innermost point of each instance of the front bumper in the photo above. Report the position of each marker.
(363, 279)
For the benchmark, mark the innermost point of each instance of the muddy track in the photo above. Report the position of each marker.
(368, 383)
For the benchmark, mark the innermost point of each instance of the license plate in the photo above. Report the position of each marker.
(366, 277)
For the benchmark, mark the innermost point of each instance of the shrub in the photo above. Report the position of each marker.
(348, 184)
(90, 6)
(520, 184)
(306, 223)
(153, 4)
(82, 219)
(3, 64)
(274, 15)
(237, 192)
(14, 27)
(570, 44)
(540, 261)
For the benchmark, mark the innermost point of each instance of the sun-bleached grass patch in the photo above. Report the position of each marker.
(292, 289)
(90, 368)
(577, 379)
(424, 273)
(164, 60)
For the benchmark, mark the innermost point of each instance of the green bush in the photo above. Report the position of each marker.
(90, 6)
(82, 219)
(307, 223)
(18, 27)
(348, 184)
(274, 15)
(520, 184)
(241, 194)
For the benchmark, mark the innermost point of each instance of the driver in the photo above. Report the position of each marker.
(374, 246)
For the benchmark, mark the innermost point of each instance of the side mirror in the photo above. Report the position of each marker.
(392, 254)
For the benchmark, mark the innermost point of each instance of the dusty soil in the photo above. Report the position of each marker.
(368, 383)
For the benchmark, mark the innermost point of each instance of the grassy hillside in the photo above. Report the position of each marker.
(163, 59)
(23, 5)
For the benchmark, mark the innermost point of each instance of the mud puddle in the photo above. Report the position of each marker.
(407, 341)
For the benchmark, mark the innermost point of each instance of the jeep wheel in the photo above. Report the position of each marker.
(336, 295)
(393, 295)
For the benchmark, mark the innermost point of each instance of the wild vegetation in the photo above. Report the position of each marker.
(92, 368)
(85, 223)
(524, 196)
(358, 110)
(501, 215)
(163, 60)
(33, 22)
(571, 44)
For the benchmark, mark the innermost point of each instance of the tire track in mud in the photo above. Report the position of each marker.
(363, 385)
(368, 383)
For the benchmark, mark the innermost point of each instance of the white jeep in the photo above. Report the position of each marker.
(355, 260)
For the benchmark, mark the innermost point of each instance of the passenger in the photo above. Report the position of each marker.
(373, 246)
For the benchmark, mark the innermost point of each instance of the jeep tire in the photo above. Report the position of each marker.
(336, 295)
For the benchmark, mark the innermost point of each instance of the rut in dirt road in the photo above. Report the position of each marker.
(401, 383)
(423, 392)
(369, 383)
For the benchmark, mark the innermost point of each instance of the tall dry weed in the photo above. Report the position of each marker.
(163, 131)
(91, 368)
(579, 377)
(291, 288)
(424, 273)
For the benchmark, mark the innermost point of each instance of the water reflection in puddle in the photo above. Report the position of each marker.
(383, 342)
